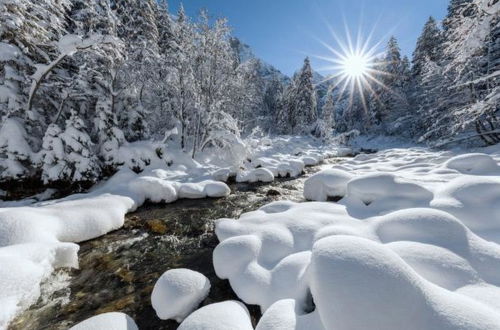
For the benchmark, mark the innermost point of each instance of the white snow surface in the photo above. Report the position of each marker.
(227, 315)
(107, 321)
(412, 244)
(178, 292)
(37, 237)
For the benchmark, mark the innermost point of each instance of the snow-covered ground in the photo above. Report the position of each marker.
(36, 238)
(413, 243)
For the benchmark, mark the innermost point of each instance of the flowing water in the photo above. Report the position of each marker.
(118, 271)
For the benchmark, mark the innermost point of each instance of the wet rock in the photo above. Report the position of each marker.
(118, 305)
(157, 226)
(273, 192)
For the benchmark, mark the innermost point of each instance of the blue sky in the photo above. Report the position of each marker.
(283, 32)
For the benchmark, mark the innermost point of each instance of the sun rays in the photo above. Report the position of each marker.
(354, 65)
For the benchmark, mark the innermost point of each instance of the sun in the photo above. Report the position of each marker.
(356, 66)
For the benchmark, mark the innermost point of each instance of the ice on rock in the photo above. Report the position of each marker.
(325, 184)
(227, 315)
(178, 292)
(107, 321)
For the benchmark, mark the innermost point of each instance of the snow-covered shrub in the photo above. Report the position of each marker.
(15, 152)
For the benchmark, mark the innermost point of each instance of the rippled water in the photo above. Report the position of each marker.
(118, 271)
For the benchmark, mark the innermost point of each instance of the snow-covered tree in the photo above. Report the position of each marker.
(303, 112)
(79, 152)
(110, 136)
(392, 104)
(15, 153)
(326, 123)
(54, 166)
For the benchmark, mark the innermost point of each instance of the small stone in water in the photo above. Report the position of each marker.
(157, 226)
(273, 192)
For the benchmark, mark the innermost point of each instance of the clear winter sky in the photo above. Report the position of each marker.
(283, 32)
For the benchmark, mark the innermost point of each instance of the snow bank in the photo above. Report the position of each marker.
(107, 321)
(285, 157)
(228, 315)
(178, 292)
(36, 240)
(412, 226)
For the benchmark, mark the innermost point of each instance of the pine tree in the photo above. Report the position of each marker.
(303, 112)
(324, 128)
(53, 157)
(79, 152)
(429, 47)
(110, 137)
(15, 153)
(392, 104)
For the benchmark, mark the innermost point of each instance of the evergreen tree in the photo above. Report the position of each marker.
(15, 153)
(324, 128)
(53, 157)
(392, 105)
(79, 152)
(303, 112)
(110, 137)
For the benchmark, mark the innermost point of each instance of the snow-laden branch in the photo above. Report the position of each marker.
(67, 45)
(496, 131)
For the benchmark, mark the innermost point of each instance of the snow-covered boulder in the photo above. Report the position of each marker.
(310, 160)
(382, 193)
(475, 164)
(203, 189)
(227, 315)
(292, 168)
(285, 256)
(178, 292)
(256, 175)
(359, 284)
(475, 200)
(154, 189)
(325, 184)
(107, 321)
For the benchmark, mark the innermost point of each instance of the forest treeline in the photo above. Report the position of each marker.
(84, 82)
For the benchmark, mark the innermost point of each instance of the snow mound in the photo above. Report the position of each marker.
(474, 200)
(360, 284)
(475, 164)
(360, 272)
(178, 292)
(256, 175)
(107, 321)
(325, 184)
(383, 193)
(228, 315)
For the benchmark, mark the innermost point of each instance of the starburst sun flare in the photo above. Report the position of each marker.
(356, 66)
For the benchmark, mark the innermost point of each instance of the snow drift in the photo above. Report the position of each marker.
(411, 243)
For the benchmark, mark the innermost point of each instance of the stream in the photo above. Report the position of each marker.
(118, 270)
